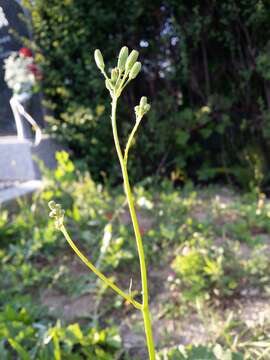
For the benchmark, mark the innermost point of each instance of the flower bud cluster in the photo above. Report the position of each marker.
(57, 213)
(132, 66)
(127, 69)
(142, 108)
(128, 62)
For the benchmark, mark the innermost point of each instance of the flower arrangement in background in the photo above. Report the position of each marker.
(22, 76)
(21, 73)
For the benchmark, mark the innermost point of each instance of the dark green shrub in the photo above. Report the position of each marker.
(207, 69)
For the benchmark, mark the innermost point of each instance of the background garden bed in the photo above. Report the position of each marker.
(207, 251)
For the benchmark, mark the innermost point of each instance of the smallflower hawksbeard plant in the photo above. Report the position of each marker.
(126, 70)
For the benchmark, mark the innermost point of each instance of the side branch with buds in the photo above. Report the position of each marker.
(57, 213)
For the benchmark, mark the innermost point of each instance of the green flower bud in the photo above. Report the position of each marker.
(122, 58)
(114, 75)
(57, 213)
(143, 101)
(146, 108)
(136, 68)
(137, 110)
(142, 108)
(132, 58)
(51, 204)
(109, 85)
(99, 59)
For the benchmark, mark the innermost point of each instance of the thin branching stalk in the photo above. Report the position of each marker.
(133, 215)
(127, 69)
(97, 272)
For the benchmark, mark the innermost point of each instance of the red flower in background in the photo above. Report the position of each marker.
(35, 71)
(26, 52)
(109, 216)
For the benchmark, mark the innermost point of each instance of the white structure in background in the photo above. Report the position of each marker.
(19, 174)
(19, 113)
(21, 77)
(3, 18)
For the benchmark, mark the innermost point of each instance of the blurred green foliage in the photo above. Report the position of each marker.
(206, 71)
(203, 246)
(24, 336)
(200, 353)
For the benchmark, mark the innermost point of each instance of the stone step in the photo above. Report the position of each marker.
(8, 195)
(16, 163)
(16, 158)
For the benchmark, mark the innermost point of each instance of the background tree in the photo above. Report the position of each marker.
(207, 67)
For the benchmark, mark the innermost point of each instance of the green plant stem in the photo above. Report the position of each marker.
(145, 304)
(131, 136)
(97, 272)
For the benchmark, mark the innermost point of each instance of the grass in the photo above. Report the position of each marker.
(209, 284)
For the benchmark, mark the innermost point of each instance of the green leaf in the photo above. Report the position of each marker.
(182, 137)
(20, 350)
